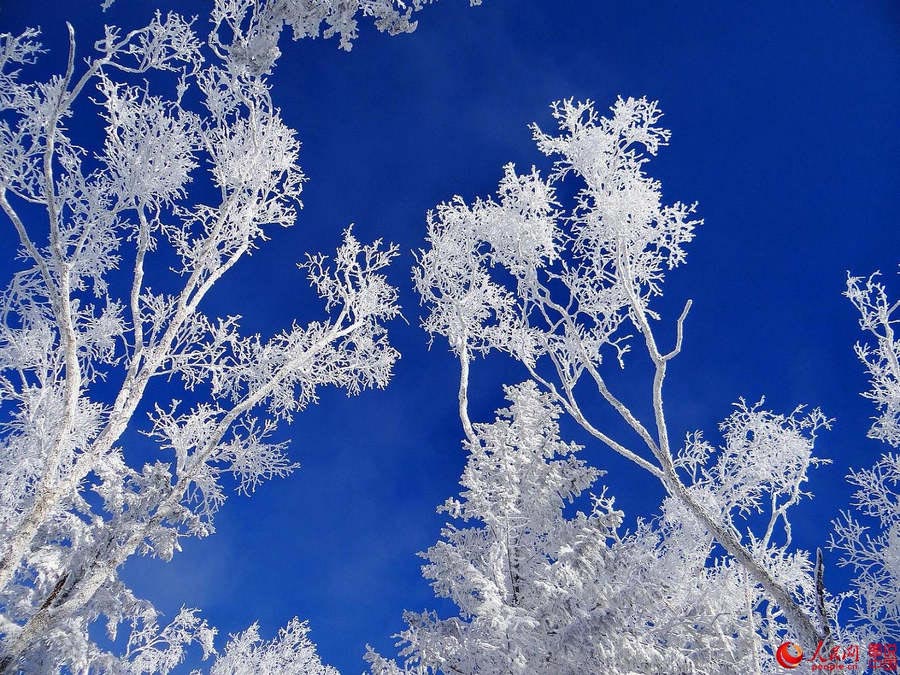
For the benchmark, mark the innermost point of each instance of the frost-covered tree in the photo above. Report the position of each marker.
(558, 287)
(259, 23)
(103, 333)
(291, 652)
(539, 591)
(878, 318)
(875, 559)
(103, 329)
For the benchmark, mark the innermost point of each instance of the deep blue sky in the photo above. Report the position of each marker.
(784, 129)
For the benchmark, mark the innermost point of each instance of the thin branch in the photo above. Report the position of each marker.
(679, 332)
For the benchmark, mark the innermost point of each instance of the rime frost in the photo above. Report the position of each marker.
(558, 287)
(874, 553)
(73, 507)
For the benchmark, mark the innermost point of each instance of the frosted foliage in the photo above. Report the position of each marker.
(255, 26)
(878, 318)
(869, 540)
(290, 653)
(761, 467)
(574, 269)
(750, 483)
(542, 591)
(873, 553)
(559, 285)
(154, 650)
(87, 331)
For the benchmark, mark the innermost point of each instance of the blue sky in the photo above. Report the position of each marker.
(784, 130)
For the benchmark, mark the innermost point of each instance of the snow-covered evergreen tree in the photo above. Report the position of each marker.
(542, 591)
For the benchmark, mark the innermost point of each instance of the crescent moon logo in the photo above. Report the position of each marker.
(785, 658)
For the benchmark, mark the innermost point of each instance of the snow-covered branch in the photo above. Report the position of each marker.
(557, 288)
(73, 508)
